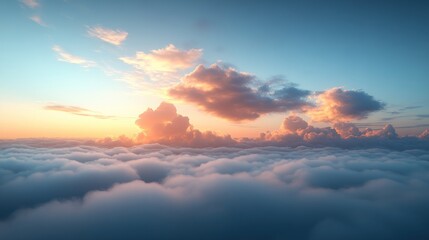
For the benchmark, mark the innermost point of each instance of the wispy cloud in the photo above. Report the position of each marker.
(77, 111)
(37, 19)
(115, 37)
(31, 3)
(67, 57)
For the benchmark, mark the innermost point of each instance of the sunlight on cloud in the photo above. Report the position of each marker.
(115, 37)
(159, 68)
(337, 104)
(67, 57)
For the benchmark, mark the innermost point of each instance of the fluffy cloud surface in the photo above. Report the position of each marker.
(233, 95)
(159, 192)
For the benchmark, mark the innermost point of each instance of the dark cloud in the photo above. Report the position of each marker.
(232, 95)
(339, 105)
(77, 111)
(159, 192)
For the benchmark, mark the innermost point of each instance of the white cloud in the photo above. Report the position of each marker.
(115, 37)
(67, 57)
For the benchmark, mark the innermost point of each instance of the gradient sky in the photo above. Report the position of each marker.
(380, 47)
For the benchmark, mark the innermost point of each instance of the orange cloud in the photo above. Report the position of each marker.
(164, 125)
(232, 95)
(168, 59)
(115, 37)
(67, 57)
(77, 111)
(339, 105)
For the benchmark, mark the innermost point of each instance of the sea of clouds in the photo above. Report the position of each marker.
(62, 189)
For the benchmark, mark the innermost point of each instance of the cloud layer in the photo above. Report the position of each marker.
(232, 95)
(158, 192)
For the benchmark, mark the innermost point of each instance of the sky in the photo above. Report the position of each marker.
(270, 120)
(88, 69)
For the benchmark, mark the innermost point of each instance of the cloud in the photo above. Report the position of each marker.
(115, 37)
(159, 68)
(67, 57)
(77, 111)
(339, 105)
(232, 95)
(164, 125)
(159, 192)
(295, 132)
(31, 3)
(168, 59)
(424, 134)
(37, 19)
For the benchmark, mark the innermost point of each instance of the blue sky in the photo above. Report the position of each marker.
(380, 47)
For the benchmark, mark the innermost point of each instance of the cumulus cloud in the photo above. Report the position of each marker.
(115, 37)
(164, 125)
(232, 95)
(31, 3)
(295, 132)
(77, 111)
(67, 57)
(339, 105)
(160, 192)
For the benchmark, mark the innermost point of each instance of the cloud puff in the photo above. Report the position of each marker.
(158, 192)
(115, 37)
(77, 111)
(339, 105)
(164, 125)
(31, 3)
(230, 94)
(67, 57)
